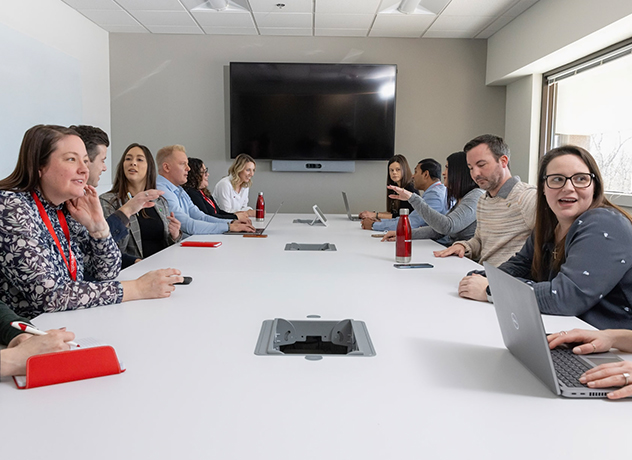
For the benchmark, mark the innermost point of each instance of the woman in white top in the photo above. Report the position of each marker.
(231, 192)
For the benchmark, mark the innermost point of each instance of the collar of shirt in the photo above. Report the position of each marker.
(505, 190)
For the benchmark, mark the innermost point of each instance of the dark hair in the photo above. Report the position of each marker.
(92, 137)
(37, 145)
(545, 219)
(496, 145)
(120, 181)
(194, 178)
(460, 181)
(432, 166)
(407, 178)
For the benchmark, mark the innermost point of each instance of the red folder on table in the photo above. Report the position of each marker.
(68, 366)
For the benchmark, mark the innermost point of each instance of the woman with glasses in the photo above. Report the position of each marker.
(579, 256)
(197, 188)
(152, 229)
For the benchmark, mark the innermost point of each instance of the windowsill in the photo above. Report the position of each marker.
(624, 200)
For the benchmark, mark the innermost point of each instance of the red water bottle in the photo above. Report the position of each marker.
(261, 208)
(403, 243)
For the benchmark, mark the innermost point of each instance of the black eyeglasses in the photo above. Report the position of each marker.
(579, 180)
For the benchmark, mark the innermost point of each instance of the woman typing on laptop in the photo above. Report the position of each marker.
(578, 258)
(606, 375)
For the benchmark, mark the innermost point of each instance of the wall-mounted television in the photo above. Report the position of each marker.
(288, 111)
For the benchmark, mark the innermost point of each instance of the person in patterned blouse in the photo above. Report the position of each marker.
(579, 256)
(52, 231)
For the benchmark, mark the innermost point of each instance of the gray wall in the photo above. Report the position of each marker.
(173, 89)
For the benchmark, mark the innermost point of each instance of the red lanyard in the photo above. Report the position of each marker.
(208, 200)
(72, 266)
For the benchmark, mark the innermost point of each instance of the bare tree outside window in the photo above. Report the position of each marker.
(594, 110)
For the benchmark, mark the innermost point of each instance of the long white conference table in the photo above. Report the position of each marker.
(442, 385)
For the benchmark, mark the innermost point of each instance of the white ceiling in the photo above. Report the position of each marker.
(338, 18)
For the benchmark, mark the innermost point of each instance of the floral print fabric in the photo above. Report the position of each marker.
(33, 276)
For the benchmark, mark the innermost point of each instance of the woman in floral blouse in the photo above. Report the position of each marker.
(52, 231)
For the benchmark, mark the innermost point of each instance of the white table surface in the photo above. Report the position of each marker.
(442, 385)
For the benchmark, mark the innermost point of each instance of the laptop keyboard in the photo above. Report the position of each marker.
(568, 367)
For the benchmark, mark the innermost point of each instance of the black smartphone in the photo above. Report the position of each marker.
(413, 266)
(187, 280)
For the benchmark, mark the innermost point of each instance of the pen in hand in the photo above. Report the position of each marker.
(24, 327)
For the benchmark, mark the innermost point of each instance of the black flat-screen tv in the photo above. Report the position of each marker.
(283, 111)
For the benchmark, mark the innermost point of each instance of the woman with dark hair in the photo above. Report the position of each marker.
(197, 188)
(153, 228)
(578, 257)
(231, 192)
(52, 231)
(398, 173)
(459, 223)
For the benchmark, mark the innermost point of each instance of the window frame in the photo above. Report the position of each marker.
(549, 98)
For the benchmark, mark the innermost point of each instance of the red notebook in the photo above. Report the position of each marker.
(68, 366)
(201, 244)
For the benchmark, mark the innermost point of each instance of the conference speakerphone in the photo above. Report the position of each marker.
(314, 338)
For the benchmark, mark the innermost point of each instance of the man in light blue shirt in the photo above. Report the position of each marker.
(173, 168)
(427, 177)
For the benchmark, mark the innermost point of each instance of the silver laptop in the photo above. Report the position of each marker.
(523, 333)
(258, 231)
(351, 218)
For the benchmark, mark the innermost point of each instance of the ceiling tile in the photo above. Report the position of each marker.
(92, 4)
(155, 5)
(109, 17)
(472, 23)
(448, 34)
(347, 6)
(223, 19)
(340, 32)
(163, 18)
(137, 29)
(284, 20)
(410, 23)
(291, 6)
(344, 21)
(284, 31)
(230, 30)
(477, 7)
(495, 26)
(520, 7)
(175, 30)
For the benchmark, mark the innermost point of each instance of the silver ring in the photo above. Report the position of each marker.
(594, 347)
(562, 332)
(626, 376)
(146, 193)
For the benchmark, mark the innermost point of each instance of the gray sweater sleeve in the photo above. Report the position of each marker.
(460, 217)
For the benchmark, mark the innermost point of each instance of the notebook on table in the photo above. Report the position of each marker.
(524, 336)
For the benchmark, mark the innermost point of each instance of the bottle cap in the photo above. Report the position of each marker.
(260, 193)
(403, 211)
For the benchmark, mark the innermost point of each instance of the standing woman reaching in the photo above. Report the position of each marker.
(153, 228)
(462, 198)
(52, 230)
(231, 192)
(398, 173)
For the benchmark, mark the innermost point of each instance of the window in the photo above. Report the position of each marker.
(589, 103)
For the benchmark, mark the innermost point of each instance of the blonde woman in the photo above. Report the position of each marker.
(231, 192)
